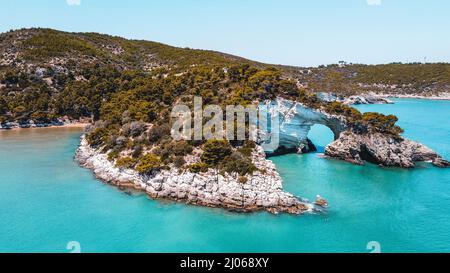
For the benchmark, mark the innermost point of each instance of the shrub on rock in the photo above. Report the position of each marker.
(126, 162)
(113, 154)
(148, 164)
(97, 137)
(237, 163)
(382, 123)
(198, 168)
(158, 132)
(215, 151)
(179, 161)
(181, 148)
(247, 148)
(134, 129)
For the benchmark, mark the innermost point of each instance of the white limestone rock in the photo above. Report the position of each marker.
(263, 191)
(296, 120)
(383, 150)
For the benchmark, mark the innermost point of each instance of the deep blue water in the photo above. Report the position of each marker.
(46, 201)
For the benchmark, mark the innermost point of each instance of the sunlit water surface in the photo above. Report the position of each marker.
(46, 201)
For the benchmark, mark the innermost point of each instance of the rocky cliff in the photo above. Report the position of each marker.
(383, 150)
(295, 122)
(263, 190)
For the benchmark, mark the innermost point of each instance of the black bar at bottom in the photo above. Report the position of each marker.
(223, 262)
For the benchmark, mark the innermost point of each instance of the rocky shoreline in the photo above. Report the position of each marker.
(379, 98)
(384, 98)
(383, 150)
(366, 99)
(263, 190)
(442, 96)
(32, 125)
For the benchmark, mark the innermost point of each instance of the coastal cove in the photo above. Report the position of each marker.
(48, 200)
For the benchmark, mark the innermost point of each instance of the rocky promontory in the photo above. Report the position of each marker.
(382, 149)
(364, 98)
(355, 144)
(262, 190)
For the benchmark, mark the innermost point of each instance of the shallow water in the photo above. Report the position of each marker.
(46, 201)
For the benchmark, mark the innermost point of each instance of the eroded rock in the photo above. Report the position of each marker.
(262, 191)
(383, 150)
(295, 122)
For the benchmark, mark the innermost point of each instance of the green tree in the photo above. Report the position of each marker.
(198, 167)
(3, 106)
(97, 137)
(215, 151)
(126, 162)
(148, 164)
(382, 123)
(19, 110)
(237, 163)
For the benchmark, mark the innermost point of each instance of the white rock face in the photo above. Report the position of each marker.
(366, 99)
(383, 150)
(262, 191)
(296, 121)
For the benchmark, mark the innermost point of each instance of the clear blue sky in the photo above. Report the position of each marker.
(295, 32)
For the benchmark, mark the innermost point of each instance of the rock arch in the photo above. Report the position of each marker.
(295, 122)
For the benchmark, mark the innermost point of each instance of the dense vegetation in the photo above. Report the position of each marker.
(396, 78)
(363, 123)
(128, 88)
(134, 124)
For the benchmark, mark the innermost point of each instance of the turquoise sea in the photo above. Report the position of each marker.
(47, 201)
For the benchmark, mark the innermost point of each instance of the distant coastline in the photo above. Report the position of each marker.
(81, 125)
(377, 98)
(443, 96)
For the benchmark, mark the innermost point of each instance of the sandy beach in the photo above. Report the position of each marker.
(79, 125)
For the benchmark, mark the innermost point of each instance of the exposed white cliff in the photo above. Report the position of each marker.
(297, 119)
(366, 98)
(262, 191)
(295, 122)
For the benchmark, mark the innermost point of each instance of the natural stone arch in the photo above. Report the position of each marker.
(321, 136)
(295, 122)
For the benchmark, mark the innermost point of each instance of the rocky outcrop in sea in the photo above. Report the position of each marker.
(262, 191)
(382, 149)
(296, 120)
